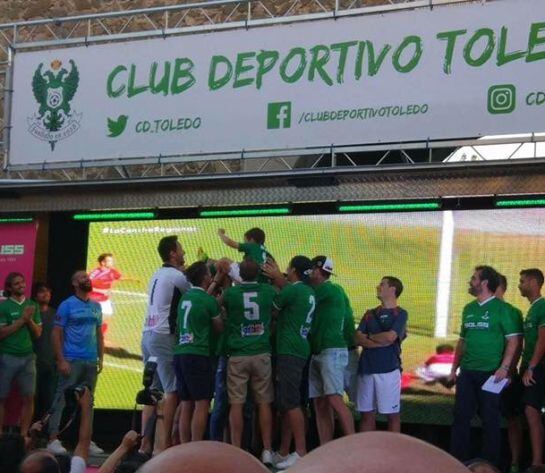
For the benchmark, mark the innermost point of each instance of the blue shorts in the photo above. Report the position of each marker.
(326, 375)
(195, 375)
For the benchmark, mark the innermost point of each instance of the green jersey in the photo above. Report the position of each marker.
(18, 343)
(327, 330)
(194, 323)
(485, 328)
(349, 329)
(296, 303)
(535, 319)
(257, 253)
(248, 307)
(253, 251)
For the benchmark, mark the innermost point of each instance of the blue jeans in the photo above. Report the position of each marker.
(220, 412)
(470, 398)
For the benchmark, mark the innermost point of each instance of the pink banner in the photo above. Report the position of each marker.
(17, 247)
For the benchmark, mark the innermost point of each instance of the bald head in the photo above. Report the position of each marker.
(40, 462)
(378, 452)
(81, 282)
(204, 457)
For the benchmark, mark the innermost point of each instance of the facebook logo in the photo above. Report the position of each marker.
(278, 115)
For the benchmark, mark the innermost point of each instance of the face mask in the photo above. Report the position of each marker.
(85, 286)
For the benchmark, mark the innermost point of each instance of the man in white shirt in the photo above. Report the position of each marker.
(166, 287)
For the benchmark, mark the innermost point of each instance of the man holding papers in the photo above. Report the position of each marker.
(489, 339)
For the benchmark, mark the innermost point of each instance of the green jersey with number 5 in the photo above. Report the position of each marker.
(194, 323)
(296, 303)
(248, 307)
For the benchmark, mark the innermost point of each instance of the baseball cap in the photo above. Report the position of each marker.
(324, 263)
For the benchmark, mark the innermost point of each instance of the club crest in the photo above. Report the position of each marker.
(54, 89)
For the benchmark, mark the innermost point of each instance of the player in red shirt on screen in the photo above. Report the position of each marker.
(103, 278)
(438, 366)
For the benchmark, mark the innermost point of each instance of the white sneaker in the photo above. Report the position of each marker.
(267, 457)
(56, 447)
(277, 458)
(94, 449)
(291, 460)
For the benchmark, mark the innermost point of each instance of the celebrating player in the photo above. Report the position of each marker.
(295, 303)
(198, 313)
(166, 287)
(248, 307)
(20, 322)
(329, 352)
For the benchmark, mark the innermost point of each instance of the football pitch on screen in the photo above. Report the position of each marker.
(363, 247)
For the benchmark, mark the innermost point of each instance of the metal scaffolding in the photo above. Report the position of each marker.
(217, 15)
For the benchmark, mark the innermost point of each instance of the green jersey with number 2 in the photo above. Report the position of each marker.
(296, 303)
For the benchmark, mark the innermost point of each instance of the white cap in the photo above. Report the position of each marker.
(326, 265)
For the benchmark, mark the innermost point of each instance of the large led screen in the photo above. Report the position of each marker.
(433, 253)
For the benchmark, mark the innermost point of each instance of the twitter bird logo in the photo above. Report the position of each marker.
(116, 127)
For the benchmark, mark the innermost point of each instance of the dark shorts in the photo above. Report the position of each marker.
(289, 376)
(195, 377)
(511, 398)
(534, 395)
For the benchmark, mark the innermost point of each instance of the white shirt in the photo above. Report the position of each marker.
(165, 289)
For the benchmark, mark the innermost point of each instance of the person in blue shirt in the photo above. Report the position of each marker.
(380, 333)
(79, 349)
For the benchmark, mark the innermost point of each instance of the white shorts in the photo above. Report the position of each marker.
(380, 392)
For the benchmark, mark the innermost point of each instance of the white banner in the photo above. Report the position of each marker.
(456, 71)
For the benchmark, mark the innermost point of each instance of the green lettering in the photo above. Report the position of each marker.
(358, 70)
(320, 57)
(266, 60)
(241, 68)
(159, 86)
(217, 83)
(451, 38)
(504, 57)
(134, 89)
(182, 72)
(415, 58)
(488, 50)
(376, 63)
(343, 53)
(534, 41)
(109, 83)
(298, 73)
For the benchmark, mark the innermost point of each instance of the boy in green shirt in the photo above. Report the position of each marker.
(20, 322)
(533, 359)
(253, 248)
(329, 351)
(198, 316)
(248, 307)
